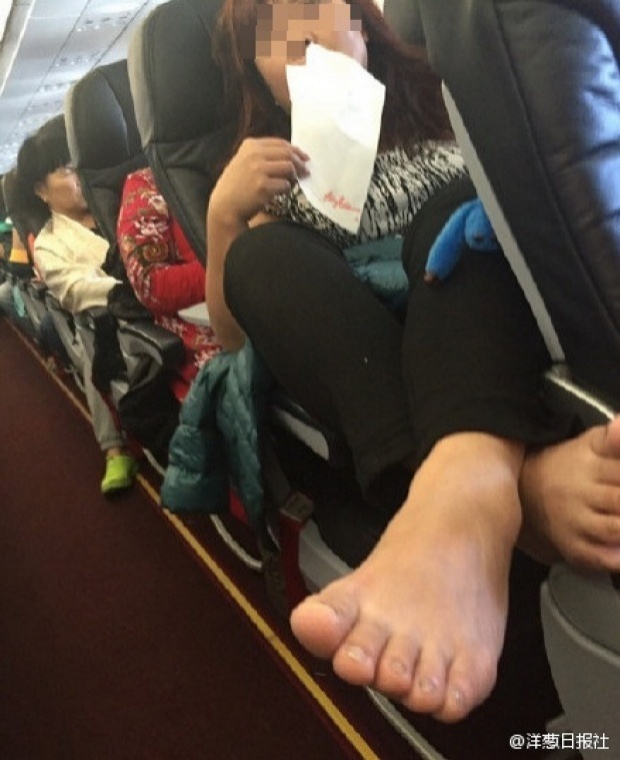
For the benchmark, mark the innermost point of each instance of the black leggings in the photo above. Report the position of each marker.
(467, 356)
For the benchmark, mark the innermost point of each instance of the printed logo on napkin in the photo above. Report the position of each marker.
(336, 108)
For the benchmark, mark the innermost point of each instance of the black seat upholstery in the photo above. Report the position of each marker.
(103, 139)
(25, 221)
(178, 106)
(536, 84)
(26, 224)
(534, 90)
(405, 19)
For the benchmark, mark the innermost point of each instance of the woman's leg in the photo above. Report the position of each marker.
(325, 337)
(569, 486)
(423, 617)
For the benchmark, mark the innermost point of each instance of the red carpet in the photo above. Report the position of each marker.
(113, 641)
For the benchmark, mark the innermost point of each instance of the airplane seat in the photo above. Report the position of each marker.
(26, 221)
(405, 20)
(103, 139)
(105, 147)
(32, 290)
(533, 88)
(104, 156)
(178, 106)
(178, 97)
(178, 94)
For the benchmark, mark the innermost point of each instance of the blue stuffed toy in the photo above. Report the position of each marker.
(469, 225)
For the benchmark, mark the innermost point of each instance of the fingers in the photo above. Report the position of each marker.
(603, 529)
(593, 556)
(300, 160)
(261, 169)
(273, 145)
(275, 157)
(275, 168)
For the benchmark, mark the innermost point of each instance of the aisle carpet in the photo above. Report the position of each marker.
(113, 642)
(118, 641)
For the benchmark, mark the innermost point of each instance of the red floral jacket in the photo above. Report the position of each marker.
(163, 270)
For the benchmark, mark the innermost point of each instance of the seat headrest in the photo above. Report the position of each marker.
(24, 220)
(178, 97)
(537, 85)
(103, 139)
(404, 17)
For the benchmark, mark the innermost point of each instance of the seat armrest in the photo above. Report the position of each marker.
(573, 400)
(143, 336)
(326, 443)
(52, 302)
(89, 317)
(37, 289)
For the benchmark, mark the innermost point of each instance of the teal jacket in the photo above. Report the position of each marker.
(215, 446)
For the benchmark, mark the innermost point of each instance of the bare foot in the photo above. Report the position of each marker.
(423, 618)
(571, 500)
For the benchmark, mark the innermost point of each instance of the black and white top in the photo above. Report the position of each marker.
(402, 181)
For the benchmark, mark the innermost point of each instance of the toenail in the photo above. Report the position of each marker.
(428, 685)
(338, 612)
(356, 653)
(457, 697)
(398, 667)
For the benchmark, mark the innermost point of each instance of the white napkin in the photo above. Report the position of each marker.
(336, 108)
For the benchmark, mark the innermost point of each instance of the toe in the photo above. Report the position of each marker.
(470, 680)
(429, 682)
(605, 440)
(322, 621)
(394, 675)
(357, 658)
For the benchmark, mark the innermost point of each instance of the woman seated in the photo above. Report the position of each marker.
(69, 254)
(446, 401)
(163, 271)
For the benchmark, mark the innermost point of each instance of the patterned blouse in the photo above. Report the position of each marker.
(402, 181)
(162, 269)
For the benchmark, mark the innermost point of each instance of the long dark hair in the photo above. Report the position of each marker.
(413, 110)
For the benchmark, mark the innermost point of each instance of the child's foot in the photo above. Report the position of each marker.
(120, 471)
(571, 499)
(423, 618)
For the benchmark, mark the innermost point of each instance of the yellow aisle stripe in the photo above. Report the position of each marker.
(327, 705)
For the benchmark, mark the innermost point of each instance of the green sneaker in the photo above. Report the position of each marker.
(120, 471)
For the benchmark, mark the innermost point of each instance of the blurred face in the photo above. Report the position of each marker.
(62, 192)
(285, 29)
